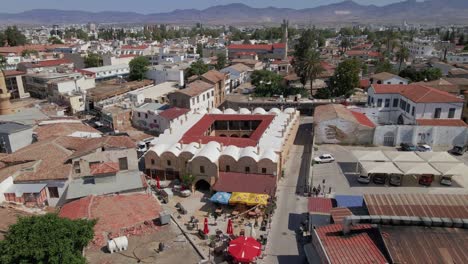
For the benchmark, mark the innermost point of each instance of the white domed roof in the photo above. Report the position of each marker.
(191, 148)
(159, 149)
(274, 111)
(259, 111)
(231, 151)
(244, 111)
(202, 111)
(269, 154)
(249, 152)
(215, 111)
(210, 151)
(290, 110)
(174, 149)
(230, 111)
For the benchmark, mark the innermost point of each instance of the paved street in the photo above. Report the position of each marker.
(283, 245)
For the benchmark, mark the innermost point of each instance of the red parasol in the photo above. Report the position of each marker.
(229, 230)
(244, 249)
(158, 184)
(206, 230)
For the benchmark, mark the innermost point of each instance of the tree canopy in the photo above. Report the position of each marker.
(93, 60)
(221, 62)
(138, 68)
(384, 66)
(55, 40)
(267, 83)
(46, 239)
(414, 75)
(197, 68)
(345, 79)
(13, 37)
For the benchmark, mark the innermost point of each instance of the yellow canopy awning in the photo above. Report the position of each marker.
(249, 198)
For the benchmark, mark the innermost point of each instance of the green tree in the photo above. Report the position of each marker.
(200, 49)
(46, 239)
(311, 67)
(29, 52)
(197, 68)
(187, 180)
(2, 62)
(465, 48)
(345, 79)
(267, 83)
(345, 44)
(138, 68)
(384, 66)
(306, 58)
(14, 37)
(3, 39)
(221, 62)
(93, 60)
(461, 40)
(55, 40)
(402, 55)
(432, 74)
(429, 74)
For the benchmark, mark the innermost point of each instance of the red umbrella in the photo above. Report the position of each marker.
(206, 230)
(244, 249)
(229, 230)
(158, 184)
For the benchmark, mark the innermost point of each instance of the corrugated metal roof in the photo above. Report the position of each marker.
(422, 205)
(416, 244)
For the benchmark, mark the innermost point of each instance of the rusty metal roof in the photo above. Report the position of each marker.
(422, 205)
(417, 244)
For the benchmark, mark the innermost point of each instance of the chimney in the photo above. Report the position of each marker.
(199, 143)
(258, 149)
(186, 116)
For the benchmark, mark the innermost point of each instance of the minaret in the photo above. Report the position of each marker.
(285, 38)
(5, 105)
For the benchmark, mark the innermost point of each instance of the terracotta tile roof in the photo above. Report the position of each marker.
(279, 45)
(127, 56)
(116, 213)
(6, 172)
(441, 122)
(319, 205)
(173, 113)
(363, 53)
(267, 47)
(245, 53)
(382, 76)
(195, 88)
(13, 73)
(104, 168)
(417, 93)
(19, 49)
(197, 132)
(214, 76)
(47, 63)
(358, 247)
(131, 47)
(240, 67)
(246, 182)
(50, 157)
(91, 144)
(62, 129)
(339, 213)
(364, 83)
(363, 119)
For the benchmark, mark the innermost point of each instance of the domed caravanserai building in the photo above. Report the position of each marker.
(233, 151)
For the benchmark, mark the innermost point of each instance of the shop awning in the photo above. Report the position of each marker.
(369, 155)
(221, 198)
(403, 156)
(380, 168)
(450, 168)
(416, 168)
(437, 157)
(249, 198)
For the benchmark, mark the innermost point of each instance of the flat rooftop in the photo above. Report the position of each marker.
(113, 88)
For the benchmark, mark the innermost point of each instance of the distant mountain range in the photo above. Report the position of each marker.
(429, 11)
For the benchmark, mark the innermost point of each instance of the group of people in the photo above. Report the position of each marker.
(316, 190)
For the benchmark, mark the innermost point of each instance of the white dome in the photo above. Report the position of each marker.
(215, 111)
(159, 149)
(230, 111)
(231, 151)
(289, 110)
(269, 154)
(244, 111)
(259, 111)
(191, 148)
(275, 111)
(175, 149)
(249, 152)
(210, 151)
(202, 111)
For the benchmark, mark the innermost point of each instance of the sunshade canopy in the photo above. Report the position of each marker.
(416, 168)
(249, 198)
(450, 168)
(221, 198)
(371, 167)
(369, 155)
(406, 156)
(437, 157)
(244, 249)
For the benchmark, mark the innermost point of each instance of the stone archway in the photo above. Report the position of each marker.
(202, 185)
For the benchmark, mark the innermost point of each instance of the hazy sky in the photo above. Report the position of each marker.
(154, 6)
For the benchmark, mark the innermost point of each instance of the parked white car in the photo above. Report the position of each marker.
(324, 158)
(447, 181)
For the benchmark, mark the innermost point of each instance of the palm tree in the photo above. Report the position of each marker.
(312, 67)
(401, 56)
(345, 44)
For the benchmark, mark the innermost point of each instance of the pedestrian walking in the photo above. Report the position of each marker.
(314, 191)
(318, 190)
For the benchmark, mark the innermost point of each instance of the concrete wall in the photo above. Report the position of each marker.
(434, 136)
(17, 140)
(112, 155)
(339, 131)
(4, 185)
(62, 187)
